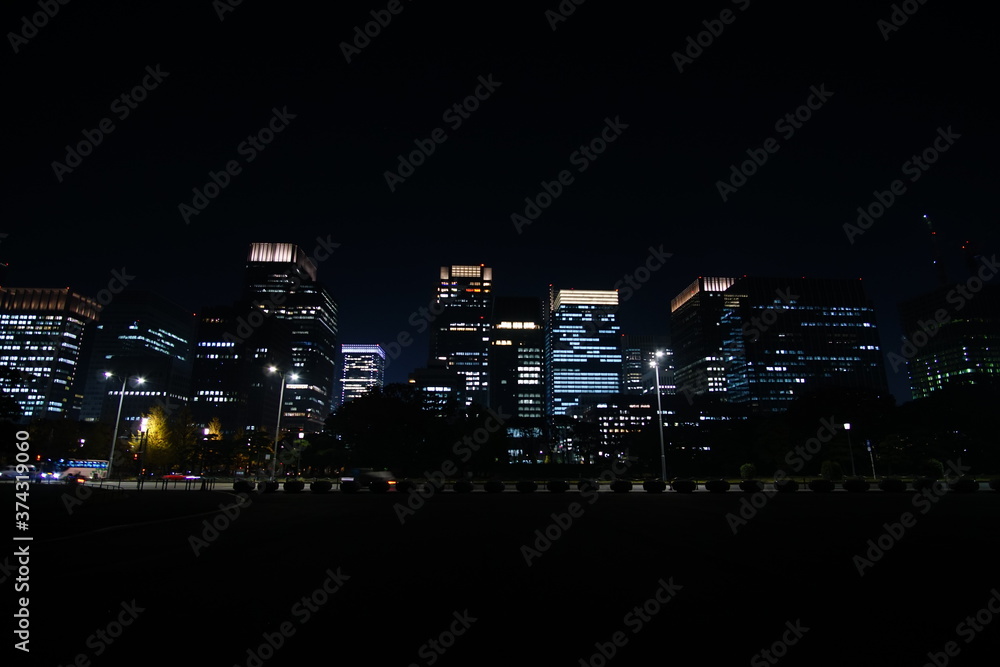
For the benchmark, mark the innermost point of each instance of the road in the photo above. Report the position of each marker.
(211, 594)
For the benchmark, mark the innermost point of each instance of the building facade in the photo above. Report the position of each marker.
(140, 334)
(517, 374)
(281, 283)
(785, 337)
(231, 378)
(638, 353)
(460, 334)
(696, 339)
(42, 334)
(363, 369)
(583, 347)
(951, 338)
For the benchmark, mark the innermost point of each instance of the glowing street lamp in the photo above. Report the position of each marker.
(281, 405)
(659, 413)
(121, 399)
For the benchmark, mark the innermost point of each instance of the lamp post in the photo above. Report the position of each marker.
(143, 438)
(872, 457)
(847, 427)
(277, 426)
(659, 413)
(298, 457)
(204, 446)
(121, 399)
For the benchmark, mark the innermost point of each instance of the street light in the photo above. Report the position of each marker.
(143, 441)
(277, 427)
(204, 446)
(872, 457)
(659, 412)
(847, 427)
(121, 399)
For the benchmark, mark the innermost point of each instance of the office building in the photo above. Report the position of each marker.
(583, 347)
(696, 339)
(140, 334)
(442, 387)
(281, 283)
(459, 335)
(231, 378)
(951, 338)
(783, 338)
(363, 369)
(638, 352)
(517, 374)
(42, 333)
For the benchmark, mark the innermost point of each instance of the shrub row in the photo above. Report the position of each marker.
(851, 485)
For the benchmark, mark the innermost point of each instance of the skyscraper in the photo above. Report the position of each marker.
(231, 383)
(460, 334)
(140, 334)
(363, 370)
(517, 373)
(43, 331)
(583, 347)
(281, 283)
(696, 338)
(637, 354)
(517, 349)
(785, 337)
(443, 388)
(951, 337)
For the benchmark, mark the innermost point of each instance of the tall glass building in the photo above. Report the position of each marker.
(638, 377)
(42, 332)
(517, 349)
(364, 369)
(231, 382)
(140, 334)
(460, 334)
(583, 347)
(517, 374)
(951, 338)
(281, 283)
(697, 339)
(785, 337)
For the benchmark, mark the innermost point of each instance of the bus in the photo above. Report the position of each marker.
(86, 468)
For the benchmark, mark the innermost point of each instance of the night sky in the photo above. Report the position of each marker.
(323, 175)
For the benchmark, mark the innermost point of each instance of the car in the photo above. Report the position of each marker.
(11, 473)
(177, 475)
(365, 477)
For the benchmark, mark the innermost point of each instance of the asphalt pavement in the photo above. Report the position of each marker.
(216, 578)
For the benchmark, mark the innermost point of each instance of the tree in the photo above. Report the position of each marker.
(387, 428)
(158, 453)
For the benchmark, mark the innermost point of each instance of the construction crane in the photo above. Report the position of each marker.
(936, 246)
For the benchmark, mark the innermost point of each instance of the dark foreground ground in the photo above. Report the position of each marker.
(460, 556)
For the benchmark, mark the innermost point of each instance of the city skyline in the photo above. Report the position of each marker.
(402, 359)
(627, 151)
(563, 164)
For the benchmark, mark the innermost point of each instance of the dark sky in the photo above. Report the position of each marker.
(323, 174)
